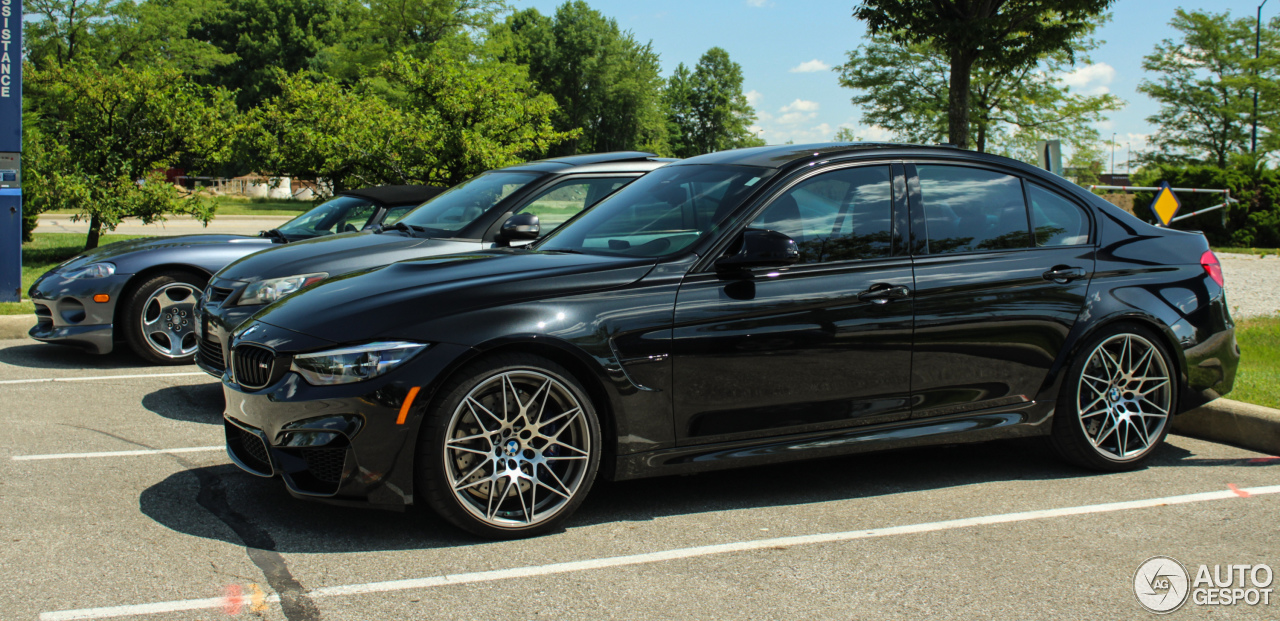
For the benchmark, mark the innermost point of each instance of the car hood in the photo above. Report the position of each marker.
(119, 250)
(339, 254)
(399, 300)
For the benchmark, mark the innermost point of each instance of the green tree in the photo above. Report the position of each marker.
(905, 88)
(1205, 81)
(1002, 34)
(846, 134)
(269, 39)
(706, 108)
(451, 121)
(100, 140)
(603, 80)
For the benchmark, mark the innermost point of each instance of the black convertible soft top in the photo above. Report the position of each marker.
(396, 194)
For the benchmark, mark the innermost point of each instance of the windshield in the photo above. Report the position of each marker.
(660, 213)
(449, 212)
(343, 214)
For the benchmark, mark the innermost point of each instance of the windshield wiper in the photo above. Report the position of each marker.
(404, 227)
(274, 234)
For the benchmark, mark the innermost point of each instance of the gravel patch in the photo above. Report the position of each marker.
(1253, 284)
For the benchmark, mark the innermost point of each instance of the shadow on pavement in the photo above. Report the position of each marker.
(50, 356)
(199, 403)
(182, 501)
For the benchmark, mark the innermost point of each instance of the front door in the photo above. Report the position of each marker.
(820, 345)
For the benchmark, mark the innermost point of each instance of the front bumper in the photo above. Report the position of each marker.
(67, 315)
(341, 444)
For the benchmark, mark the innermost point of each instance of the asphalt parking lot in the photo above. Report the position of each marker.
(103, 518)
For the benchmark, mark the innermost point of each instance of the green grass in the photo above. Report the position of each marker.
(1261, 251)
(1258, 379)
(41, 254)
(232, 206)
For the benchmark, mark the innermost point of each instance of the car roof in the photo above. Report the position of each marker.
(396, 194)
(614, 161)
(779, 156)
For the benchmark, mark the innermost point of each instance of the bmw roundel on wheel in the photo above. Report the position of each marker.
(738, 308)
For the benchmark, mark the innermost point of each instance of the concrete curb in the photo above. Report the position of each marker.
(1232, 422)
(16, 326)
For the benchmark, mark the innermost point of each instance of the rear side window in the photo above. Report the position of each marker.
(1056, 221)
(970, 209)
(842, 215)
(564, 200)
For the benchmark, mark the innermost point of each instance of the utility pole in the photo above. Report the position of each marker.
(1128, 160)
(1257, 52)
(1113, 155)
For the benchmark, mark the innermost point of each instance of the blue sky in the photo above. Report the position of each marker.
(786, 48)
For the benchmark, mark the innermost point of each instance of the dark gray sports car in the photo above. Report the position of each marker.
(148, 287)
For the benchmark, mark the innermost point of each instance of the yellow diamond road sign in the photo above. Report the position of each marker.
(1166, 205)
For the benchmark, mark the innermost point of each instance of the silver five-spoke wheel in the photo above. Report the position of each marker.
(517, 449)
(166, 320)
(1124, 397)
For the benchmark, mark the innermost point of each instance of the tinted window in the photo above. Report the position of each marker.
(1055, 220)
(564, 200)
(968, 209)
(837, 216)
(463, 203)
(660, 213)
(339, 215)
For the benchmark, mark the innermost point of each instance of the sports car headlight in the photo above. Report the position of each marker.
(92, 270)
(354, 364)
(272, 289)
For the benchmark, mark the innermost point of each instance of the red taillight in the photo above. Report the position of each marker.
(1211, 267)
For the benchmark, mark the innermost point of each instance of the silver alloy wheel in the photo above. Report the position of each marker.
(517, 449)
(1124, 397)
(167, 323)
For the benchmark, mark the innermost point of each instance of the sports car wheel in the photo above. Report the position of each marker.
(1115, 408)
(511, 449)
(158, 323)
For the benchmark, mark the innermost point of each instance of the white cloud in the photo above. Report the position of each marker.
(759, 3)
(797, 112)
(801, 105)
(1092, 79)
(810, 66)
(754, 97)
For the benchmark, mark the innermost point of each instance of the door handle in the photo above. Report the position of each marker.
(882, 293)
(1064, 273)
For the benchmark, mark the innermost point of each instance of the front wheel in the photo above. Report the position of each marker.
(1116, 402)
(511, 448)
(158, 321)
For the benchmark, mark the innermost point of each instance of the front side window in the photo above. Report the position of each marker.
(1056, 221)
(460, 205)
(342, 214)
(970, 209)
(661, 213)
(564, 200)
(842, 215)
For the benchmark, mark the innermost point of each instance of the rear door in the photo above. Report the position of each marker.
(1002, 266)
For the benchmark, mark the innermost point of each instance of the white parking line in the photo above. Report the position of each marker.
(99, 377)
(190, 449)
(657, 557)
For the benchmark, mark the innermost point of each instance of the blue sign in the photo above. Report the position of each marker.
(10, 150)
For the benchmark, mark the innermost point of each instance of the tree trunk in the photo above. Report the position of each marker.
(958, 99)
(95, 231)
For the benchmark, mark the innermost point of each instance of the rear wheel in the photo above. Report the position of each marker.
(157, 318)
(1116, 402)
(511, 448)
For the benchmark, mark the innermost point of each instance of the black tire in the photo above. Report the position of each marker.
(136, 302)
(469, 449)
(1089, 439)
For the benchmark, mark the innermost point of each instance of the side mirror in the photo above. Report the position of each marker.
(520, 227)
(759, 248)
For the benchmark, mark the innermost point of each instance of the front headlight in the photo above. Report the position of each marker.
(272, 289)
(353, 364)
(92, 270)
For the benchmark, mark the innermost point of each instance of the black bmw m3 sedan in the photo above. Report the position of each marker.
(738, 308)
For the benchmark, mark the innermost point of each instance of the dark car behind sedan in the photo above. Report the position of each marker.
(739, 308)
(143, 291)
(468, 217)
